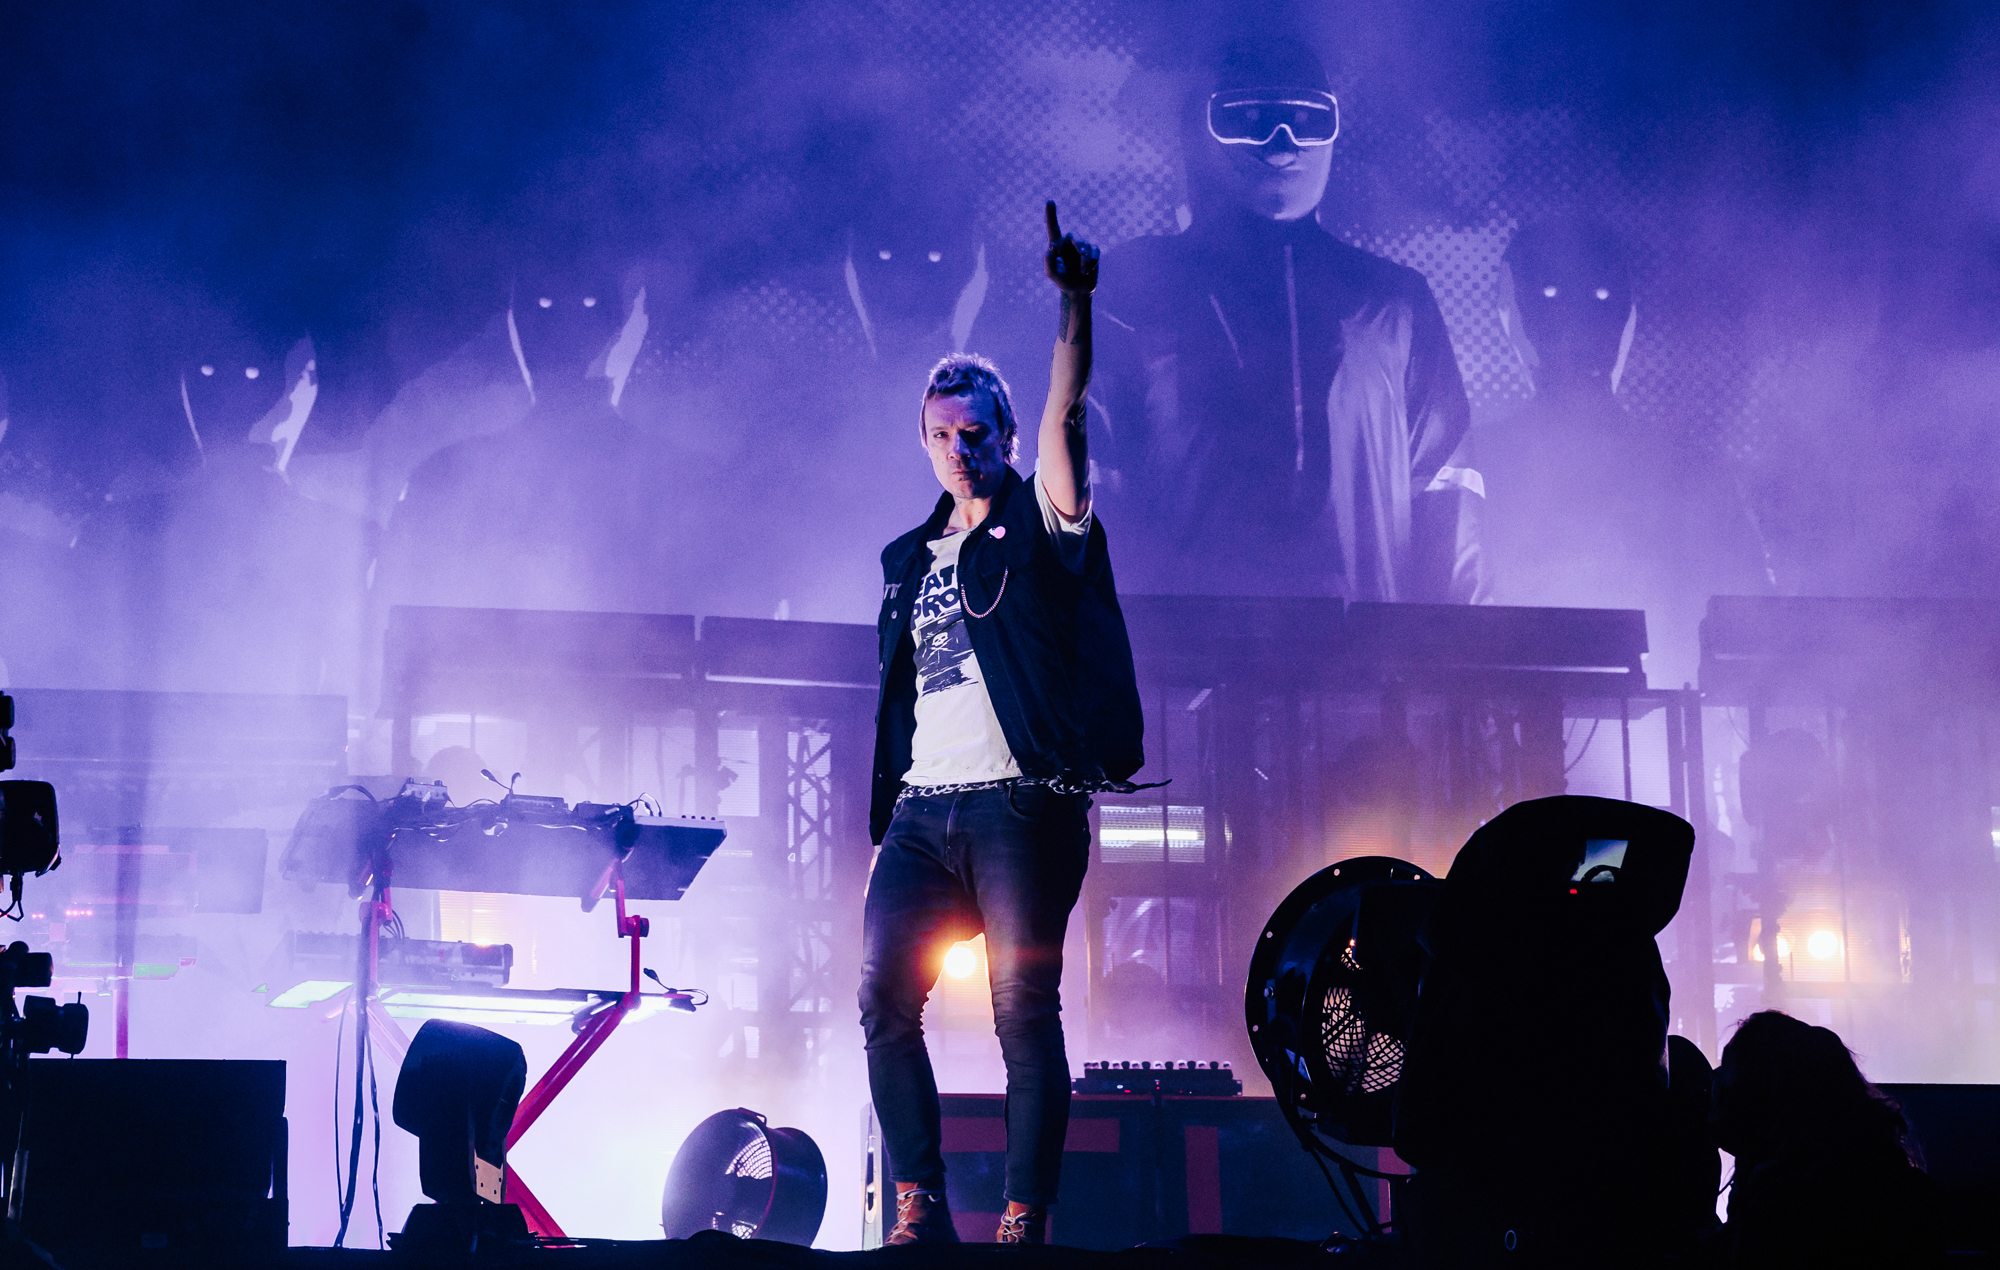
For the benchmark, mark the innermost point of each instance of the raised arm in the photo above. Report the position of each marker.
(1063, 458)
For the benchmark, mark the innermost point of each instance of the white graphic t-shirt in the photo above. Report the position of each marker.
(958, 739)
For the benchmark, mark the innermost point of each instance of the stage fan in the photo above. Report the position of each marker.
(736, 1173)
(1331, 997)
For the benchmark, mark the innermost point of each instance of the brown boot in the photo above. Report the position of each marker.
(922, 1217)
(1029, 1226)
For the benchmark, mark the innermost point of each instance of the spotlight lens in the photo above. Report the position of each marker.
(959, 962)
(249, 372)
(590, 302)
(883, 254)
(545, 302)
(1550, 292)
(1784, 946)
(936, 256)
(208, 370)
(1604, 293)
(1822, 945)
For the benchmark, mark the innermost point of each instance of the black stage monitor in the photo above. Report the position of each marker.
(122, 1158)
(1954, 1128)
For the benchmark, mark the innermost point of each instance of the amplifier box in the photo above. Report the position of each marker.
(1170, 1079)
(1953, 1126)
(1134, 1169)
(123, 1158)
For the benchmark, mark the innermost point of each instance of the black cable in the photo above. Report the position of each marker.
(1362, 1169)
(354, 1142)
(1338, 1197)
(339, 1046)
(1570, 767)
(361, 990)
(1361, 1198)
(375, 1172)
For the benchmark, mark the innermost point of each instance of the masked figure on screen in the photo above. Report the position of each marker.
(1587, 507)
(1281, 409)
(222, 576)
(568, 508)
(796, 345)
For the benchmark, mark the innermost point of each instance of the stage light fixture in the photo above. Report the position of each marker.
(30, 836)
(1822, 945)
(1537, 1045)
(457, 1091)
(736, 1173)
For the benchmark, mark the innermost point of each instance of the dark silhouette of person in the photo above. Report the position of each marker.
(1584, 507)
(227, 579)
(1826, 1170)
(1790, 794)
(803, 344)
(1281, 408)
(566, 509)
(1550, 1118)
(915, 273)
(41, 509)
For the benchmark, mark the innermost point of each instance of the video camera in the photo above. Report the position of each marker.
(30, 842)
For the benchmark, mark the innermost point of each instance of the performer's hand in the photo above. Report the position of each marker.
(1071, 262)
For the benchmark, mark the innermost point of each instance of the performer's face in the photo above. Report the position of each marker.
(962, 436)
(1277, 180)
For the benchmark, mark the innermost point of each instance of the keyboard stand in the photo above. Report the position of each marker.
(600, 1013)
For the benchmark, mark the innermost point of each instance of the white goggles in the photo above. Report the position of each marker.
(1254, 116)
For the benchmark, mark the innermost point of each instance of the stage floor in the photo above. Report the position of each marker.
(719, 1251)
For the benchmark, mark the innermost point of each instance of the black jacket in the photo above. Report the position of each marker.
(1282, 410)
(1053, 651)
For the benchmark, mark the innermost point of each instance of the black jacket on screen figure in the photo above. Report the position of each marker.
(1053, 650)
(1284, 412)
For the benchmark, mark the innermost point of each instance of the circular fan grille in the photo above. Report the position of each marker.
(1359, 1058)
(737, 1173)
(753, 1161)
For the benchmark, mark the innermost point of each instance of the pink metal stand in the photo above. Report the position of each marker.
(596, 1030)
(595, 1033)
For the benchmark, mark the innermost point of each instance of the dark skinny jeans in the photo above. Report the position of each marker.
(1009, 861)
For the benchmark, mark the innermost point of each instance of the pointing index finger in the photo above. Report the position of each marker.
(1055, 230)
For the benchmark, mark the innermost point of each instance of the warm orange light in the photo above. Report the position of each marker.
(961, 961)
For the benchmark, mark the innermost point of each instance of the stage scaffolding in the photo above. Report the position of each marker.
(767, 724)
(1296, 733)
(1854, 752)
(1300, 732)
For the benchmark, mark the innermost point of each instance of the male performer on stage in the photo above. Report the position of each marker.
(1007, 696)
